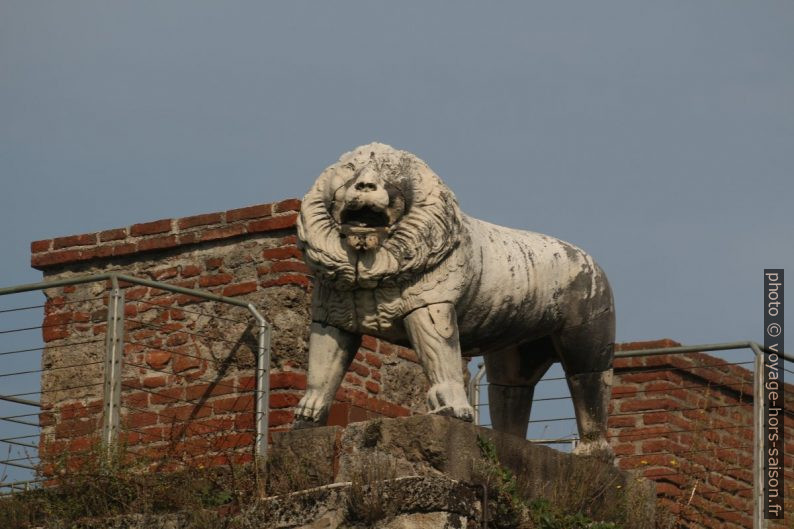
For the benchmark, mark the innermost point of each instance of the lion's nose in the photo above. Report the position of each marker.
(367, 180)
(366, 186)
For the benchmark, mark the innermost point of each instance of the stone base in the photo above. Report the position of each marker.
(424, 471)
(420, 472)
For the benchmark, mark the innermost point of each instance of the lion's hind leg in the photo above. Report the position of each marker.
(586, 352)
(512, 375)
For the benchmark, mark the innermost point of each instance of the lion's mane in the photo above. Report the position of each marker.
(427, 233)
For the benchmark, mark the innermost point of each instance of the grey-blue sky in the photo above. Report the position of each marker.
(657, 135)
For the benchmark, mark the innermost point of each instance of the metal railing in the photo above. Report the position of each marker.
(77, 360)
(754, 394)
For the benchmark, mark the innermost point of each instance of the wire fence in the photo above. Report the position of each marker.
(167, 376)
(175, 377)
(685, 421)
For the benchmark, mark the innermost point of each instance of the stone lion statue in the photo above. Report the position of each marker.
(394, 257)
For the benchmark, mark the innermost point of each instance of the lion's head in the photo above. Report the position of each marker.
(377, 215)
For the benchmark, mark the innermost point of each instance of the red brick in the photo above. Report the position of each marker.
(161, 274)
(157, 359)
(209, 426)
(86, 239)
(368, 342)
(185, 362)
(288, 380)
(647, 404)
(222, 387)
(288, 279)
(199, 220)
(250, 212)
(373, 360)
(246, 383)
(407, 354)
(244, 421)
(189, 237)
(281, 417)
(139, 419)
(339, 414)
(290, 266)
(350, 378)
(75, 428)
(113, 235)
(623, 391)
(154, 381)
(624, 449)
(213, 263)
(240, 289)
(174, 340)
(151, 228)
(358, 414)
(290, 204)
(40, 246)
(190, 271)
(157, 243)
(138, 399)
(184, 413)
(167, 396)
(46, 418)
(285, 252)
(61, 318)
(642, 376)
(359, 369)
(54, 258)
(622, 422)
(230, 441)
(222, 233)
(124, 249)
(52, 333)
(272, 223)
(215, 280)
(283, 400)
(372, 387)
(239, 403)
(73, 410)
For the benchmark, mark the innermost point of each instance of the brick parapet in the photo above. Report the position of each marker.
(686, 422)
(163, 234)
(189, 365)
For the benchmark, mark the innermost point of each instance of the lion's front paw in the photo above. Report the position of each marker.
(449, 399)
(310, 410)
(464, 413)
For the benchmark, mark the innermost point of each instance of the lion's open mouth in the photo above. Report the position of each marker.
(365, 217)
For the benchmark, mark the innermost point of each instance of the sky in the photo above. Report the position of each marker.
(658, 136)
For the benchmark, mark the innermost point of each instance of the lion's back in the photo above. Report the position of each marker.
(522, 281)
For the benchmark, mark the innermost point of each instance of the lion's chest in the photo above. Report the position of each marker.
(364, 311)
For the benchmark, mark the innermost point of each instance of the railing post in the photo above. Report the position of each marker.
(262, 400)
(759, 406)
(474, 392)
(114, 349)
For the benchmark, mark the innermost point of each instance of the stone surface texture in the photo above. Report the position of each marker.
(394, 257)
(424, 471)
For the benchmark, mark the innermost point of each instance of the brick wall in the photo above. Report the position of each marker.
(188, 378)
(685, 422)
(682, 421)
